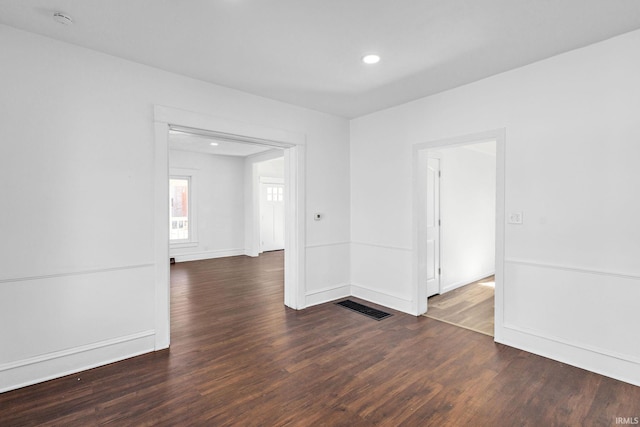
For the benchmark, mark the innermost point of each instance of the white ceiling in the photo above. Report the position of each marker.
(307, 52)
(200, 144)
(483, 147)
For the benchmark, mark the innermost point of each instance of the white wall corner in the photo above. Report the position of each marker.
(384, 299)
(328, 294)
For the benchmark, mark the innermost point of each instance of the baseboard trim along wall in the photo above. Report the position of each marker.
(382, 298)
(594, 349)
(333, 293)
(327, 294)
(467, 282)
(618, 367)
(22, 373)
(197, 256)
(595, 333)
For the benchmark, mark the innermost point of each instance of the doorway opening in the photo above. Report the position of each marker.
(221, 194)
(459, 229)
(271, 213)
(270, 143)
(461, 188)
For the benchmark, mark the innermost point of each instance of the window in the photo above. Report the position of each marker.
(275, 194)
(179, 209)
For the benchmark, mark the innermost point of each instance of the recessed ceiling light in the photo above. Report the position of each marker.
(213, 144)
(62, 18)
(371, 58)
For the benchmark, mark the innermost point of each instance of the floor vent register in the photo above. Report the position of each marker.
(363, 309)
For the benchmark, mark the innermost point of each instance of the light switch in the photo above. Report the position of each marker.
(317, 217)
(515, 218)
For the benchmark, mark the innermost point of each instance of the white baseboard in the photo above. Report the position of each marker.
(466, 282)
(608, 365)
(327, 294)
(333, 293)
(197, 256)
(383, 299)
(45, 367)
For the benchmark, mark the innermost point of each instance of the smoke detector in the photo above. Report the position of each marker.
(62, 18)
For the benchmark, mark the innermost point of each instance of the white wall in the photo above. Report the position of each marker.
(572, 277)
(271, 168)
(219, 205)
(468, 213)
(76, 163)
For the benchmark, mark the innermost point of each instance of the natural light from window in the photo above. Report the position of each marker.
(179, 209)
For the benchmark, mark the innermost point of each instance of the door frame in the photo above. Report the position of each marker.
(293, 145)
(420, 154)
(431, 155)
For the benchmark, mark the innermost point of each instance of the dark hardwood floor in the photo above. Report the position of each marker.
(240, 358)
(470, 306)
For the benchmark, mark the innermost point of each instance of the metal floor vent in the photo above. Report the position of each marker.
(363, 309)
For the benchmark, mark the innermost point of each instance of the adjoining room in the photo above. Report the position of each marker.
(461, 206)
(227, 208)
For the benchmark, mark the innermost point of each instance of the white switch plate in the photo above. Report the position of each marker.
(515, 218)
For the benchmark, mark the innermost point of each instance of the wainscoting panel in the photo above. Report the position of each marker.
(73, 322)
(598, 330)
(327, 284)
(382, 275)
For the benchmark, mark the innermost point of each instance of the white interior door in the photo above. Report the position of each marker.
(271, 217)
(433, 226)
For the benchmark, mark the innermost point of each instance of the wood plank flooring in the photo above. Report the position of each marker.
(240, 358)
(470, 306)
